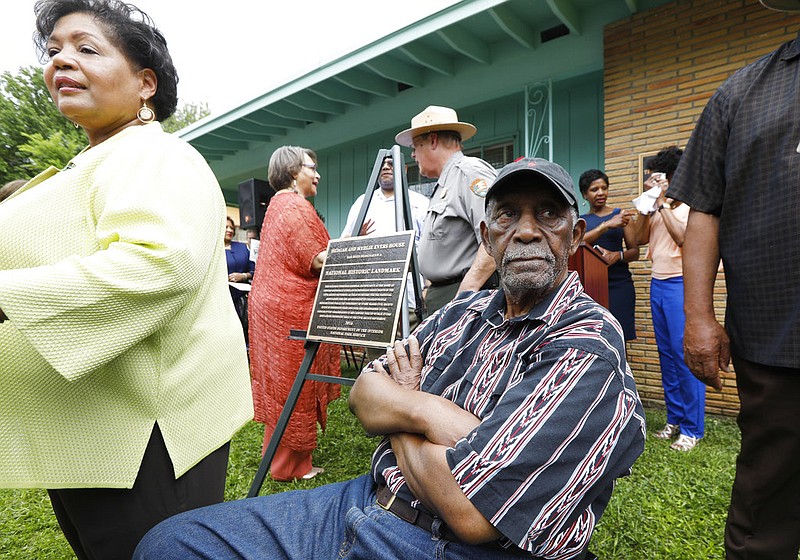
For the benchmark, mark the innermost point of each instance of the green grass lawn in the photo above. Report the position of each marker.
(672, 507)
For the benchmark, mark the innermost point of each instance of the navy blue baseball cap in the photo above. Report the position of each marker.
(528, 168)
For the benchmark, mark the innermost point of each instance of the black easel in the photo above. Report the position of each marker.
(403, 218)
(403, 221)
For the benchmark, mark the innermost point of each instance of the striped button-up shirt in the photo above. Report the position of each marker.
(561, 419)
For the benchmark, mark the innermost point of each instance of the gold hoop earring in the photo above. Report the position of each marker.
(145, 114)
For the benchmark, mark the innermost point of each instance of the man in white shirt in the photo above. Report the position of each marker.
(380, 218)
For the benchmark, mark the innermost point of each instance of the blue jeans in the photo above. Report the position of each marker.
(684, 394)
(335, 521)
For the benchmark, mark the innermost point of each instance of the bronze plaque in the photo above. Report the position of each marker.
(360, 290)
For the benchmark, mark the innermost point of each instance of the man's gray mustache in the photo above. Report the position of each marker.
(528, 253)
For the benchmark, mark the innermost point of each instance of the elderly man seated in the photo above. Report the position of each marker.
(508, 416)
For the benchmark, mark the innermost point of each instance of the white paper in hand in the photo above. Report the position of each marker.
(646, 202)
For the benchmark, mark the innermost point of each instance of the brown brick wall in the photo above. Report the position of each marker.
(661, 67)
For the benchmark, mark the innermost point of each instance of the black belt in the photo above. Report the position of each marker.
(403, 510)
(492, 283)
(447, 282)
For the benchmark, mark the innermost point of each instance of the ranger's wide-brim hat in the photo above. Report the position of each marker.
(782, 5)
(435, 118)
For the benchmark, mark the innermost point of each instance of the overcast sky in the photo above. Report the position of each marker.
(231, 51)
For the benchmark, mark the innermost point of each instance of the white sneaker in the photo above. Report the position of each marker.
(684, 443)
(668, 432)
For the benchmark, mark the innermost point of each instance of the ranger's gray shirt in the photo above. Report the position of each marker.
(452, 233)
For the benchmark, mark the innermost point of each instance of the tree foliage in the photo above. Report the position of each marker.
(34, 135)
(185, 115)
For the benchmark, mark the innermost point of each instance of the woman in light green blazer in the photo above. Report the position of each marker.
(124, 373)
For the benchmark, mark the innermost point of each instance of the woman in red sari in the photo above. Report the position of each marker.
(292, 250)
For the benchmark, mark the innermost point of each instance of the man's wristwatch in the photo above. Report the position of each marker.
(664, 205)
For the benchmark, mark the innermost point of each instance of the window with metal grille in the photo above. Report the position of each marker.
(496, 155)
(417, 182)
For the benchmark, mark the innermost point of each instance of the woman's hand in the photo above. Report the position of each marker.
(611, 257)
(319, 260)
(619, 220)
(657, 180)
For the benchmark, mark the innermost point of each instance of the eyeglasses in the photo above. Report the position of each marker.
(311, 166)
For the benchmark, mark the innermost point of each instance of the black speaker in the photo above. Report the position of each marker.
(254, 196)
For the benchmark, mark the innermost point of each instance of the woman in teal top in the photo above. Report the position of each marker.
(607, 229)
(124, 373)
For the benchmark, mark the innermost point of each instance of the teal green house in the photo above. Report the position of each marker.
(527, 73)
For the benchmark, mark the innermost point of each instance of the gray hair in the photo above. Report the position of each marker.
(574, 215)
(10, 188)
(448, 138)
(284, 165)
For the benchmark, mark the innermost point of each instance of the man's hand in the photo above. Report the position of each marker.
(404, 367)
(706, 349)
(367, 227)
(391, 402)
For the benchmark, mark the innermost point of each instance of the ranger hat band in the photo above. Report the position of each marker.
(435, 118)
(782, 5)
(525, 169)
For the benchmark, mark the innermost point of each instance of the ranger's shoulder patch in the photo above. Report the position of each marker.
(479, 187)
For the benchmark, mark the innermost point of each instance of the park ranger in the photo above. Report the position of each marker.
(450, 254)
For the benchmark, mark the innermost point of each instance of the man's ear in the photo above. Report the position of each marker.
(485, 236)
(577, 235)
